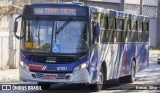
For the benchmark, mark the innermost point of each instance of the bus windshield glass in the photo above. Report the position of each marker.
(55, 36)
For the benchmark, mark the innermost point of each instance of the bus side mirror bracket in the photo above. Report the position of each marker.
(16, 27)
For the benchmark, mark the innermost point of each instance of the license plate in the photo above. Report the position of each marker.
(50, 76)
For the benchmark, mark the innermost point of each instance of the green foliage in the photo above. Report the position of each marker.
(154, 50)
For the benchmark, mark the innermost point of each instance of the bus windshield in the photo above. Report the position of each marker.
(55, 36)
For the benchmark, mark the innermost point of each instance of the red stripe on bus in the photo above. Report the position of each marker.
(35, 67)
(123, 63)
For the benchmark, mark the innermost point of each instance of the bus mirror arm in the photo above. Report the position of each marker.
(16, 27)
(18, 37)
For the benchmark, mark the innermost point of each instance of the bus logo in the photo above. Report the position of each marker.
(44, 68)
(56, 48)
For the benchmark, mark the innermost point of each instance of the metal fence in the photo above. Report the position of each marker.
(150, 11)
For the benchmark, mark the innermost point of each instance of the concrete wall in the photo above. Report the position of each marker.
(9, 45)
(145, 2)
(111, 1)
(107, 5)
(150, 2)
(153, 33)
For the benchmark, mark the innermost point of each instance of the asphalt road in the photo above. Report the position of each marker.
(147, 81)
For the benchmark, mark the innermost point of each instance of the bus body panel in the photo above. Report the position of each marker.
(81, 77)
(118, 58)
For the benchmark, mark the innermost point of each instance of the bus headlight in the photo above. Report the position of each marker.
(80, 67)
(23, 65)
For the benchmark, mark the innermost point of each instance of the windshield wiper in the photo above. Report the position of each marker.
(64, 25)
(38, 31)
(38, 28)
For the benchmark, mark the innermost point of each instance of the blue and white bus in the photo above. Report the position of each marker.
(75, 43)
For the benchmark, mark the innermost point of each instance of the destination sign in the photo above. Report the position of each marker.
(55, 11)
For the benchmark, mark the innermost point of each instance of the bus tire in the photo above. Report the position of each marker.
(44, 85)
(158, 62)
(99, 85)
(129, 78)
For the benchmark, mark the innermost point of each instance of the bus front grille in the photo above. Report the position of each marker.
(58, 60)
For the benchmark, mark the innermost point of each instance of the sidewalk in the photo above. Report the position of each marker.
(12, 75)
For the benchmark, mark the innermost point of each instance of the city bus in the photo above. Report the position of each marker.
(73, 43)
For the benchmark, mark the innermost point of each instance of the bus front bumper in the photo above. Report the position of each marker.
(79, 77)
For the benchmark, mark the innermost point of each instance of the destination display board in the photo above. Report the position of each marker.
(55, 11)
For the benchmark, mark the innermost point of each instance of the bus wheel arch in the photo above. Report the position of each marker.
(130, 78)
(104, 66)
(99, 85)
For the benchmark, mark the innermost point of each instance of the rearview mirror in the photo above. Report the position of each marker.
(16, 27)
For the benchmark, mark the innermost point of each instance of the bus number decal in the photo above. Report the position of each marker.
(62, 68)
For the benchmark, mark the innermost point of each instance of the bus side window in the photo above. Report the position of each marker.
(140, 28)
(145, 32)
(107, 28)
(103, 23)
(128, 30)
(94, 19)
(134, 33)
(120, 30)
(111, 30)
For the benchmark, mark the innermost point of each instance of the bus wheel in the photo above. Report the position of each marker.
(44, 85)
(99, 85)
(130, 78)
